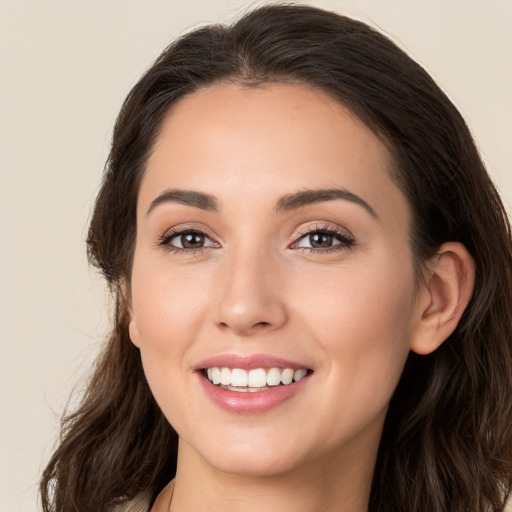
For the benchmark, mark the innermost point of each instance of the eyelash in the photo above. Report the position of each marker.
(345, 238)
(165, 240)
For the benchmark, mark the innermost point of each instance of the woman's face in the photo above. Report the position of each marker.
(272, 245)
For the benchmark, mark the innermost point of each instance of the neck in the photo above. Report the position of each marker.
(334, 483)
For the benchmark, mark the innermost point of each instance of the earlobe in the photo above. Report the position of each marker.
(444, 297)
(133, 330)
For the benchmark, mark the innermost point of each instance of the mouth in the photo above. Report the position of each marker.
(255, 379)
(252, 383)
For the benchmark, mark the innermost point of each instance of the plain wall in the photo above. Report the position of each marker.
(65, 68)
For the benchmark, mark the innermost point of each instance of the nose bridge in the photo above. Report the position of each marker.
(250, 298)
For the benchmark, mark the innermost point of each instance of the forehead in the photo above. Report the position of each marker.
(263, 142)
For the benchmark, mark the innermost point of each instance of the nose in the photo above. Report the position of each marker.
(250, 295)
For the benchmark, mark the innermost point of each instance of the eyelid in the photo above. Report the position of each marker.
(343, 235)
(346, 238)
(186, 228)
(324, 227)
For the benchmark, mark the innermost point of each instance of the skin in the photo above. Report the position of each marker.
(350, 313)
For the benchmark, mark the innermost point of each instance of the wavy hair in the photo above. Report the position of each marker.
(447, 441)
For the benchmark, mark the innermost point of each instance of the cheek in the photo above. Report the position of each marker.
(363, 323)
(168, 311)
(167, 308)
(357, 302)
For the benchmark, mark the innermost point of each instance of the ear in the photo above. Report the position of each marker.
(449, 282)
(133, 330)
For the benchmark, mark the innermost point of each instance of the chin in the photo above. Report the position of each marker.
(250, 465)
(258, 457)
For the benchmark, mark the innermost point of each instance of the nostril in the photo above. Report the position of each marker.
(224, 325)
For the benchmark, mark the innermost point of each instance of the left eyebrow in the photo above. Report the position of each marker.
(307, 197)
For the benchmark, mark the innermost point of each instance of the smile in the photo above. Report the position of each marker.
(257, 379)
(252, 384)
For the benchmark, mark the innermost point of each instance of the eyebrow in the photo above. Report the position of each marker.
(308, 197)
(286, 203)
(187, 197)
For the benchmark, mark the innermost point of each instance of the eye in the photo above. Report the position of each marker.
(187, 240)
(323, 239)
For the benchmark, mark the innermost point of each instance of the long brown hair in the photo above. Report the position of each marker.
(447, 441)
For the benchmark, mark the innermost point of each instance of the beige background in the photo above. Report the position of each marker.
(65, 67)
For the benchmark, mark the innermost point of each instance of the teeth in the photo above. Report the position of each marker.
(287, 376)
(299, 374)
(274, 377)
(225, 376)
(239, 378)
(254, 380)
(257, 378)
(215, 375)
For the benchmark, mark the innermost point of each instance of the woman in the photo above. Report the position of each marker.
(312, 277)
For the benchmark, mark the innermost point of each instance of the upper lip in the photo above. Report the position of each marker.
(248, 362)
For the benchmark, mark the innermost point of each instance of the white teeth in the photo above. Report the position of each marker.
(216, 375)
(253, 380)
(257, 378)
(287, 376)
(274, 377)
(225, 376)
(299, 374)
(239, 377)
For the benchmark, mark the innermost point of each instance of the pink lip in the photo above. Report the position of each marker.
(248, 362)
(247, 402)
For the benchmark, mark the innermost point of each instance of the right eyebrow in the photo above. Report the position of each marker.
(187, 197)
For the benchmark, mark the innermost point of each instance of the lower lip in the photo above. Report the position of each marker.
(251, 403)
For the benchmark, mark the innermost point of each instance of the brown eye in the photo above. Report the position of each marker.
(192, 240)
(324, 239)
(321, 240)
(187, 240)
